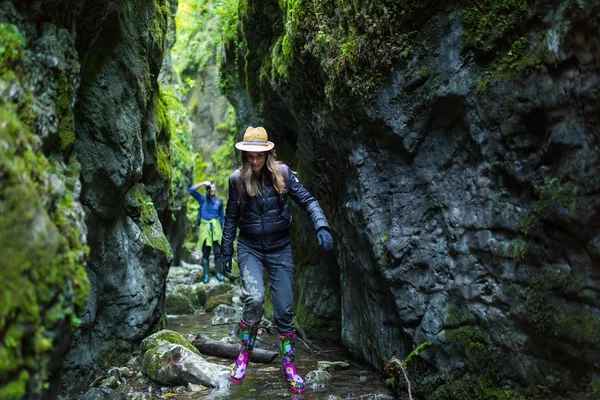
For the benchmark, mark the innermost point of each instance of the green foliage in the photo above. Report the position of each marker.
(11, 51)
(203, 28)
(552, 197)
(470, 336)
(224, 160)
(517, 250)
(595, 385)
(163, 162)
(478, 389)
(192, 50)
(385, 238)
(487, 21)
(416, 352)
(551, 321)
(396, 369)
(64, 112)
(356, 43)
(175, 157)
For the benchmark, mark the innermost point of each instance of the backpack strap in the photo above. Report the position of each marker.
(286, 177)
(239, 185)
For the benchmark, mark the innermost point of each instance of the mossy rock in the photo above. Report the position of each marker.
(45, 285)
(198, 294)
(213, 302)
(168, 337)
(178, 303)
(218, 290)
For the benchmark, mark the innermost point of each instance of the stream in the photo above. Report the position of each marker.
(265, 381)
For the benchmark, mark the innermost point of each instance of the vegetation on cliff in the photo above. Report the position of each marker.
(45, 286)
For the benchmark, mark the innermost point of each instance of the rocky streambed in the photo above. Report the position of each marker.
(169, 366)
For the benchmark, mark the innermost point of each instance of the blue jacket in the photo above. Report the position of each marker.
(209, 208)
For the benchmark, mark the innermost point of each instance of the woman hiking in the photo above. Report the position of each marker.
(257, 205)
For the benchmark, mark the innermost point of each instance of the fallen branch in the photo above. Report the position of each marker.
(216, 348)
(394, 364)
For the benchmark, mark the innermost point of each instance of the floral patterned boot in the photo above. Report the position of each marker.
(238, 371)
(288, 351)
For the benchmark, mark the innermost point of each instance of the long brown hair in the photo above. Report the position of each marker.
(272, 166)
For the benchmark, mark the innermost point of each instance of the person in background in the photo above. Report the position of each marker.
(257, 205)
(210, 223)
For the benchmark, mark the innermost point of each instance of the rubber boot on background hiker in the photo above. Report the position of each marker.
(238, 371)
(218, 269)
(288, 351)
(206, 268)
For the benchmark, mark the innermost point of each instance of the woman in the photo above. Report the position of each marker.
(257, 195)
(210, 226)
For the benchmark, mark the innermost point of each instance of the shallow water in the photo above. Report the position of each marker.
(265, 381)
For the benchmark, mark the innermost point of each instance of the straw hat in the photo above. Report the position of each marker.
(255, 140)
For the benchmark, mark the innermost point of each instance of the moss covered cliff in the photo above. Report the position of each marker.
(454, 148)
(89, 147)
(42, 234)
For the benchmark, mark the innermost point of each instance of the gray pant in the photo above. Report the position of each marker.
(281, 278)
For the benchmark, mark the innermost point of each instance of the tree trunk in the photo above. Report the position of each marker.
(213, 347)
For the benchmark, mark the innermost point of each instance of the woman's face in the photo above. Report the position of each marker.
(256, 161)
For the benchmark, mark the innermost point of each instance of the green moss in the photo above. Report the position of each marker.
(470, 336)
(112, 358)
(478, 389)
(12, 44)
(176, 163)
(160, 20)
(308, 320)
(43, 260)
(163, 120)
(163, 164)
(486, 22)
(517, 250)
(550, 321)
(45, 282)
(169, 337)
(64, 112)
(212, 302)
(552, 198)
(152, 234)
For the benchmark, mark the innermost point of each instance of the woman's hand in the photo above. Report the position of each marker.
(325, 239)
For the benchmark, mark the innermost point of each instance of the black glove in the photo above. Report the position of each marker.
(226, 262)
(325, 240)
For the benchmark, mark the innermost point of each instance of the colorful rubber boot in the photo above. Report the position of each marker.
(288, 351)
(238, 371)
(218, 269)
(206, 268)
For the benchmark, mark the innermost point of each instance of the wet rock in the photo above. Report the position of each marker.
(178, 303)
(317, 377)
(224, 314)
(166, 336)
(213, 302)
(102, 393)
(332, 365)
(218, 289)
(121, 373)
(110, 382)
(171, 364)
(382, 396)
